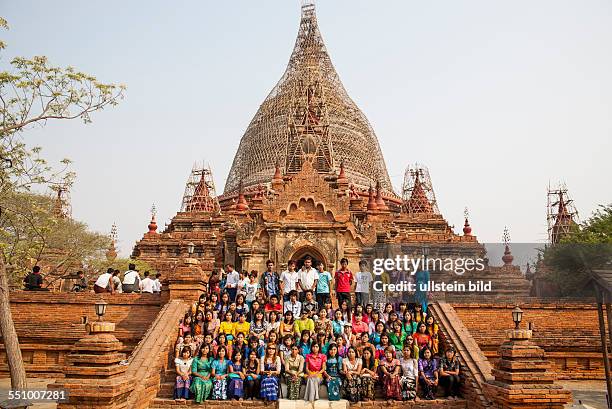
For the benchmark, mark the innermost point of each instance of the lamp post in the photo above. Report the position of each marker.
(100, 307)
(517, 316)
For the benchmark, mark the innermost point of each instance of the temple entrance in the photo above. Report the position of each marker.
(316, 255)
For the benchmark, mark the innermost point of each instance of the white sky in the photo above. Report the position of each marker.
(497, 98)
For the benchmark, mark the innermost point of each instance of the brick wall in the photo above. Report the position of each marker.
(48, 324)
(567, 331)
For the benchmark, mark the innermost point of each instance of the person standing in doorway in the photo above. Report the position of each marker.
(270, 281)
(323, 285)
(309, 276)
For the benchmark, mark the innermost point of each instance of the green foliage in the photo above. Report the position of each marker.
(587, 248)
(30, 234)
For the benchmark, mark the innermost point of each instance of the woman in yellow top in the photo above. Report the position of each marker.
(287, 326)
(242, 325)
(227, 328)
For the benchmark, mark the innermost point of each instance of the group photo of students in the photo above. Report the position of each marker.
(308, 334)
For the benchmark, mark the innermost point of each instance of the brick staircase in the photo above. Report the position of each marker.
(149, 363)
(477, 369)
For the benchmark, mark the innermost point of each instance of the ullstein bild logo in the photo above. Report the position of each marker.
(412, 265)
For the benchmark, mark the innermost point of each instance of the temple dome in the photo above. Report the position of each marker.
(308, 115)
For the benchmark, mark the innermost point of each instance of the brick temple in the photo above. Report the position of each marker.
(309, 178)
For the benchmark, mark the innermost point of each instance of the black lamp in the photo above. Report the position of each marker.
(100, 309)
(517, 316)
(190, 248)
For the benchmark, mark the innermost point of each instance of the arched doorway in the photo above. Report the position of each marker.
(316, 255)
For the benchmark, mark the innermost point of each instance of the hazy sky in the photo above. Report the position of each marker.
(497, 98)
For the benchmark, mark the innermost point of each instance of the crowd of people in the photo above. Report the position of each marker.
(251, 333)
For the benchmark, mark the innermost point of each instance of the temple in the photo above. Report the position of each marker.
(309, 178)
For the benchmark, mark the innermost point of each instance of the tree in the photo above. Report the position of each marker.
(32, 92)
(587, 247)
(34, 232)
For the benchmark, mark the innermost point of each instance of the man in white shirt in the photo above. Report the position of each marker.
(157, 283)
(293, 305)
(231, 282)
(131, 280)
(102, 284)
(364, 280)
(308, 278)
(146, 285)
(289, 280)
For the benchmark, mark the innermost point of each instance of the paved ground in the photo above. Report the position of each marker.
(33, 384)
(590, 393)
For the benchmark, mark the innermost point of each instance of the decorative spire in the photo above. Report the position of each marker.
(380, 203)
(371, 200)
(467, 229)
(111, 253)
(153, 224)
(507, 258)
(242, 205)
(418, 201)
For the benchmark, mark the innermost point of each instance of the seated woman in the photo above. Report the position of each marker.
(428, 374)
(259, 327)
(422, 338)
(201, 385)
(294, 372)
(315, 367)
(333, 368)
(273, 322)
(182, 365)
(410, 372)
(251, 382)
(323, 324)
(382, 347)
(397, 337)
(432, 330)
(211, 324)
(287, 325)
(351, 369)
(338, 323)
(449, 373)
(368, 374)
(390, 369)
(222, 342)
(270, 371)
(219, 372)
(186, 342)
(227, 328)
(185, 327)
(236, 377)
(304, 343)
(323, 343)
(376, 334)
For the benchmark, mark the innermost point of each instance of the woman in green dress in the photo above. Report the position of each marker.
(201, 367)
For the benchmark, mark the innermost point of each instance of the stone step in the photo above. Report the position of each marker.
(161, 403)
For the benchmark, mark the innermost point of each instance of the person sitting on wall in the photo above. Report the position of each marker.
(147, 284)
(131, 280)
(103, 284)
(81, 283)
(33, 281)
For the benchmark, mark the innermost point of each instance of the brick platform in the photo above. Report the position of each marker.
(49, 324)
(566, 330)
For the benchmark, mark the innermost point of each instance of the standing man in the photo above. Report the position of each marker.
(323, 285)
(131, 280)
(364, 280)
(344, 283)
(309, 276)
(270, 281)
(231, 283)
(289, 280)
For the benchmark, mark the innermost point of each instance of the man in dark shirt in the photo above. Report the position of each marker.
(81, 283)
(33, 281)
